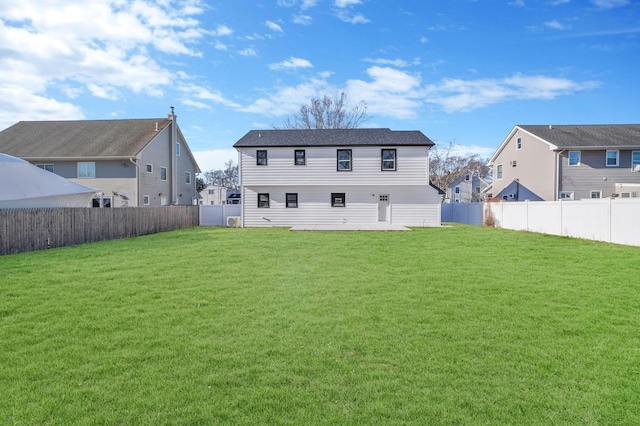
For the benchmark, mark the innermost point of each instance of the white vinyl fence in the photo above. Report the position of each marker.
(610, 220)
(216, 215)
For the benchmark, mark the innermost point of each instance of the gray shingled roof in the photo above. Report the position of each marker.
(588, 136)
(332, 137)
(79, 139)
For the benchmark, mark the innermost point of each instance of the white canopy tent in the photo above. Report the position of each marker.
(23, 185)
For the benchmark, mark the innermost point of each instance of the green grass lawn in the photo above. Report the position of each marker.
(452, 325)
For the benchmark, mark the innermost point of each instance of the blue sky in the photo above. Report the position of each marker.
(460, 71)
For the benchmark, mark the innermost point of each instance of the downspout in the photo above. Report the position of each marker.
(135, 163)
(174, 158)
(556, 182)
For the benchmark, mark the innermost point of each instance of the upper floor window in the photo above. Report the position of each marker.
(519, 143)
(574, 158)
(388, 159)
(457, 189)
(635, 160)
(149, 168)
(263, 201)
(299, 157)
(188, 177)
(344, 160)
(612, 158)
(467, 177)
(87, 169)
(499, 171)
(178, 149)
(47, 167)
(163, 173)
(261, 157)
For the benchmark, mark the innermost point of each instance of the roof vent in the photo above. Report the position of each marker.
(156, 126)
(550, 127)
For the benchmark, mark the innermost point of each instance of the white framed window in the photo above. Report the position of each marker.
(211, 191)
(299, 157)
(612, 158)
(344, 160)
(388, 158)
(178, 149)
(595, 194)
(457, 190)
(146, 200)
(149, 168)
(635, 161)
(47, 167)
(263, 201)
(467, 177)
(292, 200)
(518, 143)
(163, 173)
(499, 171)
(86, 170)
(566, 195)
(188, 177)
(574, 158)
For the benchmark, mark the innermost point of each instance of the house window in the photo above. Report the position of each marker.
(388, 157)
(146, 200)
(211, 192)
(566, 195)
(299, 158)
(149, 168)
(178, 149)
(163, 173)
(261, 157)
(612, 158)
(263, 201)
(635, 161)
(596, 194)
(188, 177)
(344, 160)
(292, 200)
(457, 189)
(87, 170)
(499, 171)
(467, 177)
(337, 199)
(574, 158)
(519, 143)
(47, 167)
(106, 202)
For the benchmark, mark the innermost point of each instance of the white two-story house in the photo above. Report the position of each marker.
(336, 176)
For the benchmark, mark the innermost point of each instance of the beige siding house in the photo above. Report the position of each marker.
(137, 162)
(336, 176)
(542, 162)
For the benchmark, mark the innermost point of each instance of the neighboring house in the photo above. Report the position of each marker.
(213, 195)
(467, 189)
(568, 162)
(23, 185)
(335, 176)
(136, 162)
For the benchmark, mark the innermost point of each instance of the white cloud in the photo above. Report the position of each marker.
(424, 40)
(273, 26)
(291, 63)
(249, 51)
(223, 30)
(101, 48)
(197, 94)
(302, 19)
(215, 159)
(306, 4)
(608, 4)
(390, 93)
(399, 63)
(357, 18)
(346, 3)
(455, 95)
(555, 25)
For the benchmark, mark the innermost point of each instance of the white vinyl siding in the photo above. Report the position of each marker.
(320, 168)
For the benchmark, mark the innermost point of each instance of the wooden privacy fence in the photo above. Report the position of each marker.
(24, 230)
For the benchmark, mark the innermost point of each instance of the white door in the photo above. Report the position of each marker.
(383, 208)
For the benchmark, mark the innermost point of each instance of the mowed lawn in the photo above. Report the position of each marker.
(451, 325)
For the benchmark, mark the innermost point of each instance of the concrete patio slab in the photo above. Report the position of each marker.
(351, 227)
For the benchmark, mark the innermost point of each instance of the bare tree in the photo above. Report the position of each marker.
(328, 113)
(226, 178)
(445, 167)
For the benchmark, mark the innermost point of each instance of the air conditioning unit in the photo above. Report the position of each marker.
(512, 163)
(636, 168)
(233, 221)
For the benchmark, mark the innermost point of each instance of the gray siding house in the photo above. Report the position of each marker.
(466, 189)
(136, 162)
(336, 176)
(542, 162)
